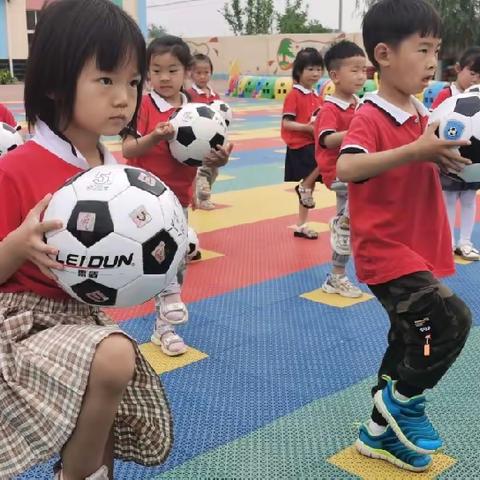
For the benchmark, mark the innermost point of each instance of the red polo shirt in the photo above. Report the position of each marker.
(398, 220)
(197, 95)
(27, 174)
(6, 116)
(334, 116)
(158, 159)
(300, 105)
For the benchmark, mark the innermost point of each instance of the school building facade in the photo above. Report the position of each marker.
(18, 19)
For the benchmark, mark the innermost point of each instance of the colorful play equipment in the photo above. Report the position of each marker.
(278, 87)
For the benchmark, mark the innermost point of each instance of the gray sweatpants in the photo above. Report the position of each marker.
(342, 211)
(210, 174)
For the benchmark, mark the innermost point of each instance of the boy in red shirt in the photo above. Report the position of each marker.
(400, 236)
(201, 92)
(300, 108)
(346, 65)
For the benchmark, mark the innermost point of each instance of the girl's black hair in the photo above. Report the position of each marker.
(392, 21)
(68, 34)
(200, 57)
(307, 57)
(470, 58)
(173, 45)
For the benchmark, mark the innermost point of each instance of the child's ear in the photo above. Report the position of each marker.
(333, 74)
(382, 53)
(458, 68)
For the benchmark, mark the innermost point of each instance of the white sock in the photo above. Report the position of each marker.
(468, 201)
(375, 428)
(400, 397)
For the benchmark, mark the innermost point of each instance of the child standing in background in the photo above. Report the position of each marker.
(300, 107)
(202, 92)
(168, 62)
(455, 189)
(346, 66)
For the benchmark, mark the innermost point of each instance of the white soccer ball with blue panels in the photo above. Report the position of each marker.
(124, 235)
(459, 118)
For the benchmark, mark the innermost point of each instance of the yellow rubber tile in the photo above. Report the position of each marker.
(162, 363)
(253, 205)
(334, 300)
(222, 177)
(208, 255)
(461, 261)
(369, 469)
(254, 134)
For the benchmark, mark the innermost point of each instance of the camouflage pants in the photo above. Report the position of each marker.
(429, 325)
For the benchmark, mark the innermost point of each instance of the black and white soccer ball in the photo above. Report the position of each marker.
(9, 138)
(124, 235)
(459, 118)
(193, 247)
(224, 109)
(198, 129)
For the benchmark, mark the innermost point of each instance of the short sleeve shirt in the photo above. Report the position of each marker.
(398, 220)
(27, 174)
(334, 116)
(300, 105)
(197, 95)
(158, 160)
(6, 116)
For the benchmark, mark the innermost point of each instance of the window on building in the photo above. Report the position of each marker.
(32, 19)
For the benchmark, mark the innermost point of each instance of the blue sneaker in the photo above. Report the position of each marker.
(408, 420)
(389, 448)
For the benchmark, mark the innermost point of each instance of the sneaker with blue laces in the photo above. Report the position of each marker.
(388, 447)
(408, 419)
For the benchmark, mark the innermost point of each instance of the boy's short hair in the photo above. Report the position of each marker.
(341, 51)
(307, 57)
(392, 21)
(200, 57)
(68, 34)
(471, 58)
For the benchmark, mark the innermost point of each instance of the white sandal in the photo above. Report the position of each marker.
(100, 474)
(167, 312)
(170, 342)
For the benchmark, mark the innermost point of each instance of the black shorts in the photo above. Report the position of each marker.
(300, 163)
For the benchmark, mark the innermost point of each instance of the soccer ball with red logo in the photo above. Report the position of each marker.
(124, 235)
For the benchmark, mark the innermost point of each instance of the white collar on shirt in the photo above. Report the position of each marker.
(399, 115)
(48, 139)
(454, 90)
(341, 103)
(162, 104)
(200, 91)
(304, 90)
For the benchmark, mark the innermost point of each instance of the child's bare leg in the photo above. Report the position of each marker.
(302, 214)
(311, 180)
(112, 369)
(108, 455)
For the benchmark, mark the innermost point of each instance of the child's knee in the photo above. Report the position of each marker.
(113, 365)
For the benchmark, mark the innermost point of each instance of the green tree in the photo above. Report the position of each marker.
(461, 23)
(285, 50)
(295, 19)
(155, 31)
(253, 18)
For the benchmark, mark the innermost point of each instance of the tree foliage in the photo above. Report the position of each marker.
(253, 18)
(257, 16)
(295, 19)
(155, 31)
(461, 23)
